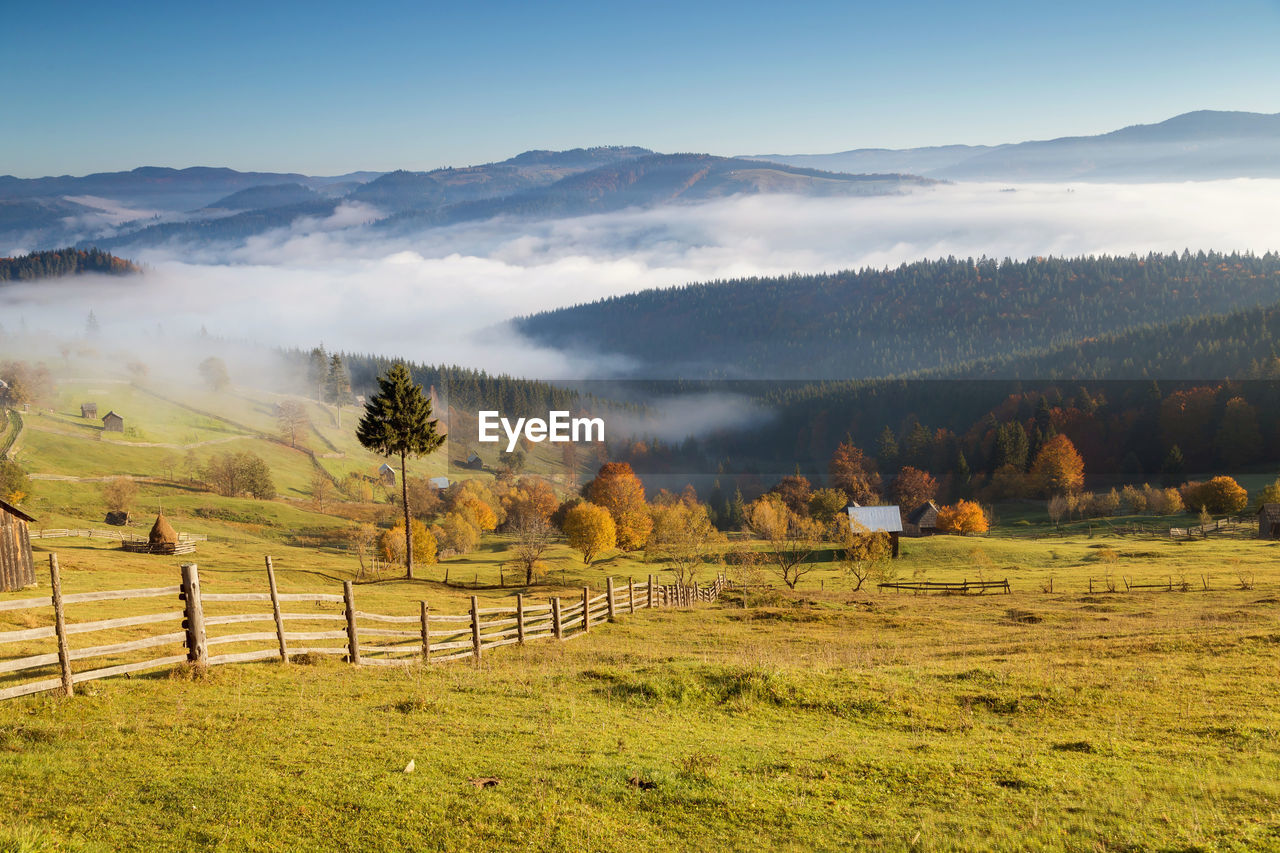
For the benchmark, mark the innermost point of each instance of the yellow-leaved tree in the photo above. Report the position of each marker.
(424, 544)
(1059, 468)
(618, 489)
(682, 536)
(590, 529)
(962, 518)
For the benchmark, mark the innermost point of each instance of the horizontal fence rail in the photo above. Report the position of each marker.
(115, 535)
(966, 587)
(300, 624)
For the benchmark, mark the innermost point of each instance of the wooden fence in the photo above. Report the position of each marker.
(11, 436)
(117, 535)
(966, 587)
(433, 637)
(1202, 530)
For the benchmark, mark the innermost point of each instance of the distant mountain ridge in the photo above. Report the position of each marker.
(532, 185)
(1200, 145)
(151, 206)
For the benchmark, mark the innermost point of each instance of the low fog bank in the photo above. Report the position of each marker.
(443, 295)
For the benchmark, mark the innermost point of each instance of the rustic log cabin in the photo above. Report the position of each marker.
(1269, 521)
(17, 569)
(111, 422)
(921, 521)
(89, 411)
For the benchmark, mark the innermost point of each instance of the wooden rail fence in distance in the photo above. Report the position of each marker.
(425, 636)
(950, 587)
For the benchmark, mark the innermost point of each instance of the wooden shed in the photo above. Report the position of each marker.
(111, 422)
(17, 569)
(89, 411)
(1269, 521)
(921, 521)
(877, 519)
(387, 474)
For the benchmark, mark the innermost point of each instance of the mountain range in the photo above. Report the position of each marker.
(151, 206)
(1195, 146)
(126, 211)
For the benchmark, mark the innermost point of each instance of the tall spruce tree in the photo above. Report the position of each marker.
(317, 370)
(397, 422)
(337, 385)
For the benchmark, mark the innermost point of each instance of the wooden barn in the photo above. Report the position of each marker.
(17, 569)
(877, 519)
(387, 474)
(1269, 521)
(921, 521)
(89, 411)
(111, 422)
(474, 461)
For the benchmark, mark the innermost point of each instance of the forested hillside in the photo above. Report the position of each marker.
(925, 316)
(1240, 345)
(461, 387)
(63, 262)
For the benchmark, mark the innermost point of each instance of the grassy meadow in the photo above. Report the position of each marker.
(824, 718)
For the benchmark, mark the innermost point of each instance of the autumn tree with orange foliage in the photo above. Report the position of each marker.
(618, 489)
(912, 487)
(1219, 495)
(531, 498)
(854, 474)
(1059, 468)
(963, 518)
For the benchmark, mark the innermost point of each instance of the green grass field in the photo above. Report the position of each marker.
(822, 719)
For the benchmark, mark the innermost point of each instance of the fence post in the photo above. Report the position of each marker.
(650, 596)
(631, 595)
(424, 618)
(520, 617)
(353, 637)
(586, 609)
(475, 628)
(555, 619)
(197, 642)
(60, 627)
(608, 596)
(275, 611)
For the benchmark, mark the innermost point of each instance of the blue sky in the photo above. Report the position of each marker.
(325, 88)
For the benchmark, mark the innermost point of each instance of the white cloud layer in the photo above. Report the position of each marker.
(441, 295)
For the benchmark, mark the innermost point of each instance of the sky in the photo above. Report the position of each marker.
(329, 88)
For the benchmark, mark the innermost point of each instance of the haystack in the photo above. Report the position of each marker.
(162, 532)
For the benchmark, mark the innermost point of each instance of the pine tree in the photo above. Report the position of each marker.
(887, 450)
(337, 385)
(317, 370)
(397, 422)
(1174, 467)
